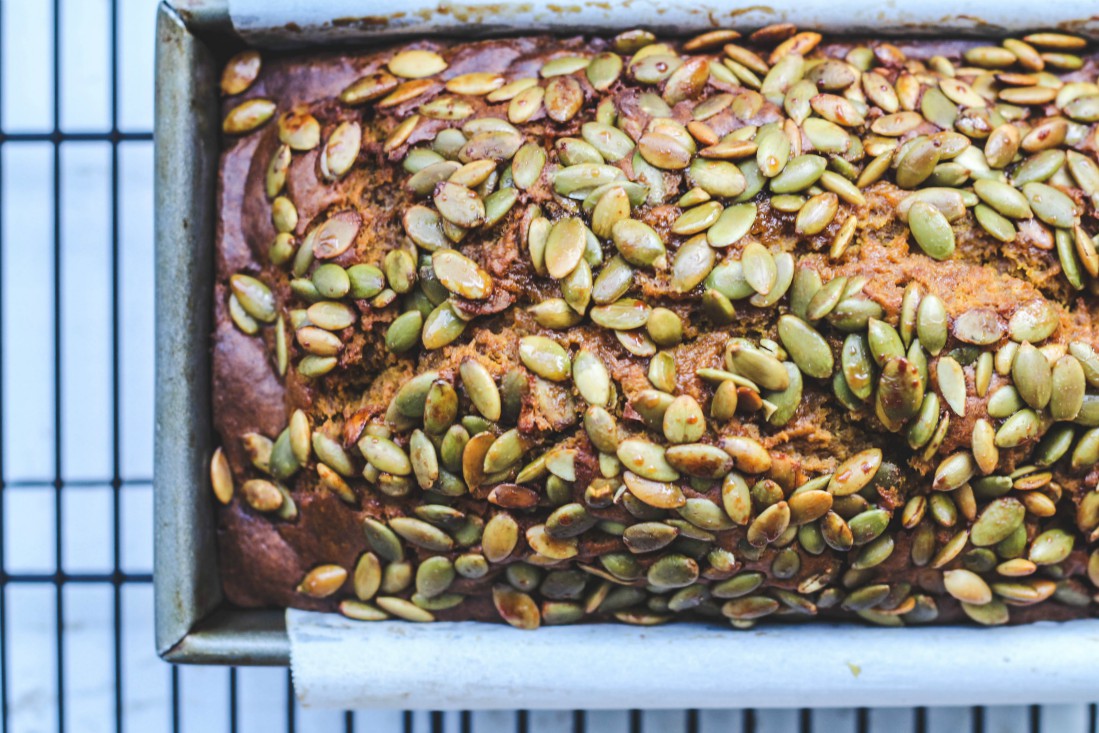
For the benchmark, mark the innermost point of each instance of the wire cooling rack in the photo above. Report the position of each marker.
(76, 386)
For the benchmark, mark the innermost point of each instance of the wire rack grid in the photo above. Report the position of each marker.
(76, 385)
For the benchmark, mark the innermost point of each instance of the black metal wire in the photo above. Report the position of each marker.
(234, 722)
(59, 639)
(3, 500)
(175, 700)
(291, 712)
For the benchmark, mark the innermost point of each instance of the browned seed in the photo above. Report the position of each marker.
(240, 71)
(322, 581)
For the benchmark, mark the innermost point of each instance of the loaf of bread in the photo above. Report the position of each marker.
(557, 330)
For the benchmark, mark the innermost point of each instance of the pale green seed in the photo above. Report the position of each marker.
(931, 231)
(806, 347)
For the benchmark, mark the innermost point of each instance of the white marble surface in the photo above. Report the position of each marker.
(29, 441)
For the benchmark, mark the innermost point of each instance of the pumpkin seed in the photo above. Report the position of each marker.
(322, 581)
(657, 494)
(459, 205)
(855, 473)
(1032, 376)
(684, 421)
(1068, 385)
(952, 384)
(247, 116)
(645, 459)
(981, 326)
(1050, 205)
(639, 244)
(931, 231)
(416, 64)
(461, 275)
(806, 347)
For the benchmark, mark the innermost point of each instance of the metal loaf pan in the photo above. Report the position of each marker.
(194, 624)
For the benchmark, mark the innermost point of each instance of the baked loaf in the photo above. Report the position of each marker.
(552, 330)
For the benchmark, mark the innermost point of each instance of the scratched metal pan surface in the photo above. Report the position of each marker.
(193, 623)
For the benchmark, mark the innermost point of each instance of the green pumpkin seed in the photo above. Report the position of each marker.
(769, 525)
(662, 372)
(656, 494)
(1034, 321)
(723, 405)
(385, 455)
(858, 369)
(481, 388)
(1054, 445)
(981, 326)
(504, 452)
(404, 332)
(1050, 205)
(799, 174)
(984, 446)
(1005, 199)
(952, 384)
(555, 313)
(759, 268)
(998, 520)
(756, 365)
(383, 540)
(639, 244)
(867, 526)
(1051, 547)
(646, 459)
(806, 284)
(613, 207)
(1032, 376)
(884, 341)
(254, 297)
(1020, 428)
(240, 317)
(922, 428)
(931, 231)
(421, 534)
(440, 408)
(900, 392)
(817, 213)
(442, 327)
(500, 537)
(622, 315)
(1086, 452)
(733, 224)
(806, 347)
(855, 473)
(953, 471)
(545, 357)
(993, 613)
(1068, 385)
(728, 279)
(697, 219)
(672, 571)
(825, 300)
(692, 264)
(998, 226)
(784, 403)
(526, 166)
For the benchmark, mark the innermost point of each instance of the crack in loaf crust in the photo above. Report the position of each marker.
(848, 379)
